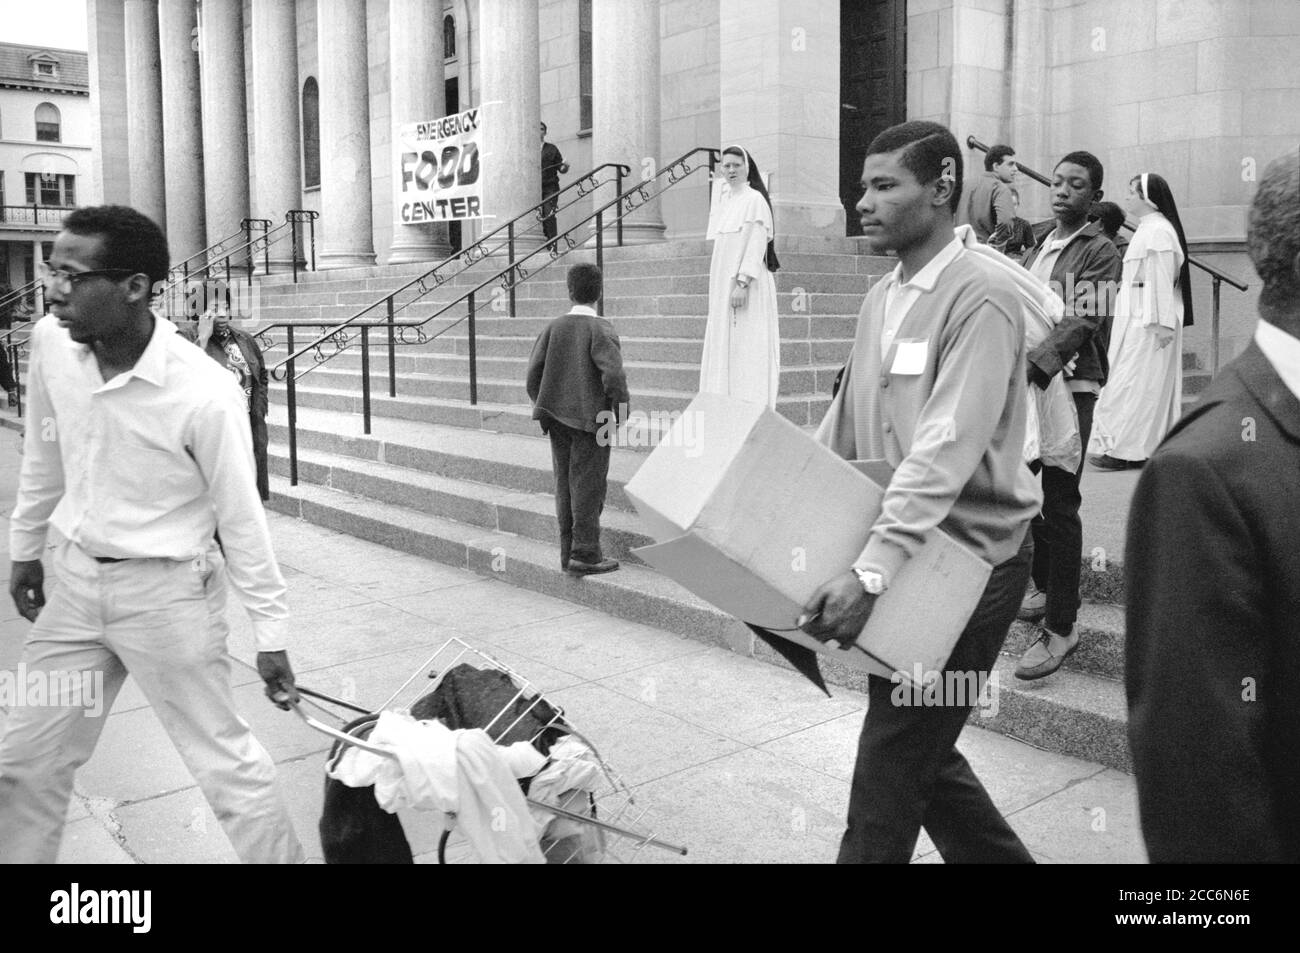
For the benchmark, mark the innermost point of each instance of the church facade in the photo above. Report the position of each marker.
(211, 112)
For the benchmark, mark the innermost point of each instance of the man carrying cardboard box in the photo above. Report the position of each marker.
(934, 387)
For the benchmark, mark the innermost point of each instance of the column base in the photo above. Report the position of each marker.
(808, 218)
(403, 253)
(340, 259)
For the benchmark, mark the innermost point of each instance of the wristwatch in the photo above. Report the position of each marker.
(872, 581)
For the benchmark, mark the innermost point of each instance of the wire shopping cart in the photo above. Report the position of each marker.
(462, 687)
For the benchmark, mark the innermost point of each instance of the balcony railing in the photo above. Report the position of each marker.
(34, 216)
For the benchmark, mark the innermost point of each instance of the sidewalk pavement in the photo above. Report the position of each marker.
(740, 761)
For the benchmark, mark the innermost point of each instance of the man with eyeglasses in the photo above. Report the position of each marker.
(137, 450)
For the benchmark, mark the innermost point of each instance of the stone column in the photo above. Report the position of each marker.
(275, 118)
(144, 120)
(417, 94)
(780, 83)
(225, 124)
(106, 38)
(510, 67)
(345, 221)
(182, 130)
(625, 108)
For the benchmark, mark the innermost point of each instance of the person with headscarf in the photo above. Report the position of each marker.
(742, 341)
(1142, 399)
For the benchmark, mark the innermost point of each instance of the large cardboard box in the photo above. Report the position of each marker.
(753, 515)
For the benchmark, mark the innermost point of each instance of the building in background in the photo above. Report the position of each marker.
(212, 112)
(45, 151)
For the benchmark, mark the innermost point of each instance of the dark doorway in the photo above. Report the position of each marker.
(453, 107)
(873, 86)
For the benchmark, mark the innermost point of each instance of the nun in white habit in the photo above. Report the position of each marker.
(1142, 398)
(742, 342)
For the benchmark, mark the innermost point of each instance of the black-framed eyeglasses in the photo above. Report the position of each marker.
(51, 276)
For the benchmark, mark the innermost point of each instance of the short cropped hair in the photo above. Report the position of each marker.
(996, 156)
(1111, 217)
(929, 152)
(129, 240)
(1273, 232)
(1089, 162)
(584, 284)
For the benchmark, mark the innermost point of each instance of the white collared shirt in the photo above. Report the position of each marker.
(900, 295)
(1283, 352)
(583, 309)
(146, 465)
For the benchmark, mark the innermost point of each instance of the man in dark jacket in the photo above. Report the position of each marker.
(553, 165)
(576, 383)
(1081, 265)
(1212, 576)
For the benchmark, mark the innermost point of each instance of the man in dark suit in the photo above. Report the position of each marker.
(553, 165)
(1213, 587)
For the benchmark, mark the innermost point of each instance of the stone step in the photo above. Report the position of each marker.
(1069, 712)
(687, 351)
(794, 327)
(1194, 383)
(447, 375)
(800, 409)
(529, 514)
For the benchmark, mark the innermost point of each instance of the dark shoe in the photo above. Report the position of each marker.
(12, 394)
(1034, 606)
(1103, 461)
(1046, 654)
(579, 568)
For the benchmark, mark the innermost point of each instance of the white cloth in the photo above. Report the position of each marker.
(1052, 422)
(900, 295)
(742, 348)
(146, 465)
(1142, 398)
(570, 776)
(455, 772)
(1283, 352)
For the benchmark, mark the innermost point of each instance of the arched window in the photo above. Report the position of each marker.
(310, 134)
(448, 37)
(47, 123)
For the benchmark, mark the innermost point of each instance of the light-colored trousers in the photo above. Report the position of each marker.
(164, 622)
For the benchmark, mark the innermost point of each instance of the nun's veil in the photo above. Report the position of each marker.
(1155, 190)
(756, 183)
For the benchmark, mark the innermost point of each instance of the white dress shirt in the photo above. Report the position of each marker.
(1283, 352)
(146, 465)
(900, 295)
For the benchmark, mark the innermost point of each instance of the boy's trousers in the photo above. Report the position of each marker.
(581, 467)
(164, 622)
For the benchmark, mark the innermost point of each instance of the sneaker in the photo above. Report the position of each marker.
(1047, 653)
(1035, 605)
(579, 568)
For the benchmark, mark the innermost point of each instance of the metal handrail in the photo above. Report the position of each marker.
(470, 255)
(509, 278)
(35, 288)
(1215, 274)
(181, 268)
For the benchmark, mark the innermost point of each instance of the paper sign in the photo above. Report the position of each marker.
(909, 357)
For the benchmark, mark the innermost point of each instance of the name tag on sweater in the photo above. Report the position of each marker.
(909, 357)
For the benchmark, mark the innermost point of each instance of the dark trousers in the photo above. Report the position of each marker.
(581, 466)
(548, 212)
(6, 371)
(1058, 532)
(909, 773)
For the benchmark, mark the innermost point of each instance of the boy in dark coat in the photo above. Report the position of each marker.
(577, 386)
